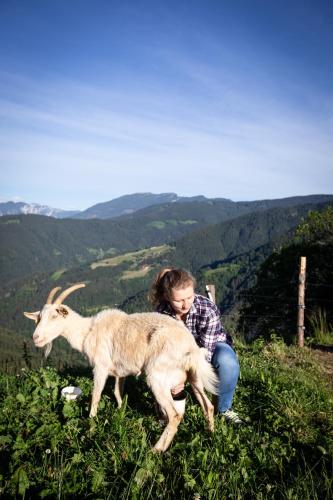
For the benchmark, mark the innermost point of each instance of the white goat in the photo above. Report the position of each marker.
(121, 344)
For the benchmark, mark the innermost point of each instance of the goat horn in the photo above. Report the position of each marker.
(59, 300)
(52, 294)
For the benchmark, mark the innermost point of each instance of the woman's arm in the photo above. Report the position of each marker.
(209, 330)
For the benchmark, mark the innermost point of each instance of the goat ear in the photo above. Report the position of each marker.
(34, 316)
(62, 311)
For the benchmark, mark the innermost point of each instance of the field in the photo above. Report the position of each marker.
(50, 449)
(134, 258)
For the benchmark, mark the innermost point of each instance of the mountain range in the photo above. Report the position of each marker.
(123, 205)
(131, 203)
(35, 243)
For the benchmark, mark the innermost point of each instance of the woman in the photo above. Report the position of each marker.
(173, 293)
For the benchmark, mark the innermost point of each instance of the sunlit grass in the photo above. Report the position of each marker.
(138, 273)
(51, 449)
(57, 274)
(132, 257)
(321, 330)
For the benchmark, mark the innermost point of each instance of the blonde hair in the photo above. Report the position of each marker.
(166, 280)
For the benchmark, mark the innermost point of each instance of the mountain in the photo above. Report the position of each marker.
(198, 208)
(131, 203)
(213, 209)
(150, 204)
(15, 208)
(34, 243)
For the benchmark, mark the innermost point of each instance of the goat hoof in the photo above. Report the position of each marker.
(210, 426)
(157, 449)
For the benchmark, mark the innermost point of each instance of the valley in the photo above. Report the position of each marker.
(118, 258)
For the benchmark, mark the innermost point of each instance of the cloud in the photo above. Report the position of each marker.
(224, 141)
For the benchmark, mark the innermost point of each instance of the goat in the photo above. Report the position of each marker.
(120, 344)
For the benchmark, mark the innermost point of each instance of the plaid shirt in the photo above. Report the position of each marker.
(203, 321)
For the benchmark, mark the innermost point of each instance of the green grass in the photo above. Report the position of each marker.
(132, 257)
(57, 274)
(321, 330)
(10, 221)
(223, 269)
(51, 449)
(174, 222)
(137, 273)
(99, 253)
(157, 224)
(188, 222)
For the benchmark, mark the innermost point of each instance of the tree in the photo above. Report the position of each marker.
(317, 227)
(271, 305)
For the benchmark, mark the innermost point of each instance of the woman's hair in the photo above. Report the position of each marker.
(167, 279)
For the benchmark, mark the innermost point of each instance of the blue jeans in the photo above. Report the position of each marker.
(226, 364)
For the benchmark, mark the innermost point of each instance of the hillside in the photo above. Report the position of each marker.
(32, 243)
(51, 449)
(237, 236)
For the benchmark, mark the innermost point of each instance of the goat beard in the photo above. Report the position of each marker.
(48, 349)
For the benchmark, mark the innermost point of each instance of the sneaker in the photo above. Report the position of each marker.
(232, 417)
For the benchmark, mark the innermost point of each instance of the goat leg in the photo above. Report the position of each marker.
(119, 390)
(205, 404)
(100, 376)
(169, 432)
(164, 399)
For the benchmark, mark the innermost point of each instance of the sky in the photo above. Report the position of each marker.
(227, 99)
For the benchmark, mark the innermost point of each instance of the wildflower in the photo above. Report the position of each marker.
(48, 451)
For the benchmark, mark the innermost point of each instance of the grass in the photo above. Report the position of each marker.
(188, 222)
(138, 273)
(321, 330)
(159, 224)
(223, 269)
(10, 221)
(132, 257)
(50, 449)
(57, 274)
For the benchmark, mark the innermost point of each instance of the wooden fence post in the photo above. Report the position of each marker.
(301, 303)
(210, 292)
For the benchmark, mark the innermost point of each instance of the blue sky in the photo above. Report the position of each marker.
(100, 98)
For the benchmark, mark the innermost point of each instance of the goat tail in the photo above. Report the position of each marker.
(202, 370)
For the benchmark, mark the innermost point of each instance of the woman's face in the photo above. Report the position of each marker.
(181, 299)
